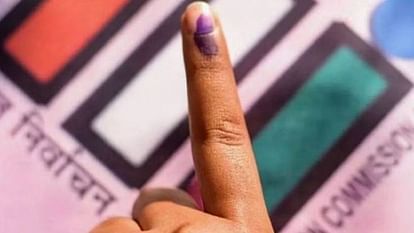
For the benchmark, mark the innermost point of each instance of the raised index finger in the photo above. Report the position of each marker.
(223, 157)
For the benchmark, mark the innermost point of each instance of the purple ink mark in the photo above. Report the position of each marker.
(204, 40)
(204, 25)
(206, 44)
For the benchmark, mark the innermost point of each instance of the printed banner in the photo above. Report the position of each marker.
(93, 108)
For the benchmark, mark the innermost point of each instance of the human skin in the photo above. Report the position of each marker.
(222, 152)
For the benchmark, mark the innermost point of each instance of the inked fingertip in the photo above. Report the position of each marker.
(199, 22)
(198, 18)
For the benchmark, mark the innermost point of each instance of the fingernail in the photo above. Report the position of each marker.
(204, 28)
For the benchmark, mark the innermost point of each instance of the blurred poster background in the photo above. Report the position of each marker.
(93, 109)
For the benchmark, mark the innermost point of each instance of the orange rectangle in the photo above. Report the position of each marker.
(56, 31)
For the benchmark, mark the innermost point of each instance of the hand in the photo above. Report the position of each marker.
(223, 157)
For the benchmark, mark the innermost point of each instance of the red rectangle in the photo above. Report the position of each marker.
(56, 31)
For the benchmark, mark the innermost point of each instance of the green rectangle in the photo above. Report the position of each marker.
(313, 120)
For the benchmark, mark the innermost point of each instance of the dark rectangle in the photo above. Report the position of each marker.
(317, 115)
(41, 59)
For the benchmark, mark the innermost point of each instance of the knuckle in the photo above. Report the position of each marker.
(229, 133)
